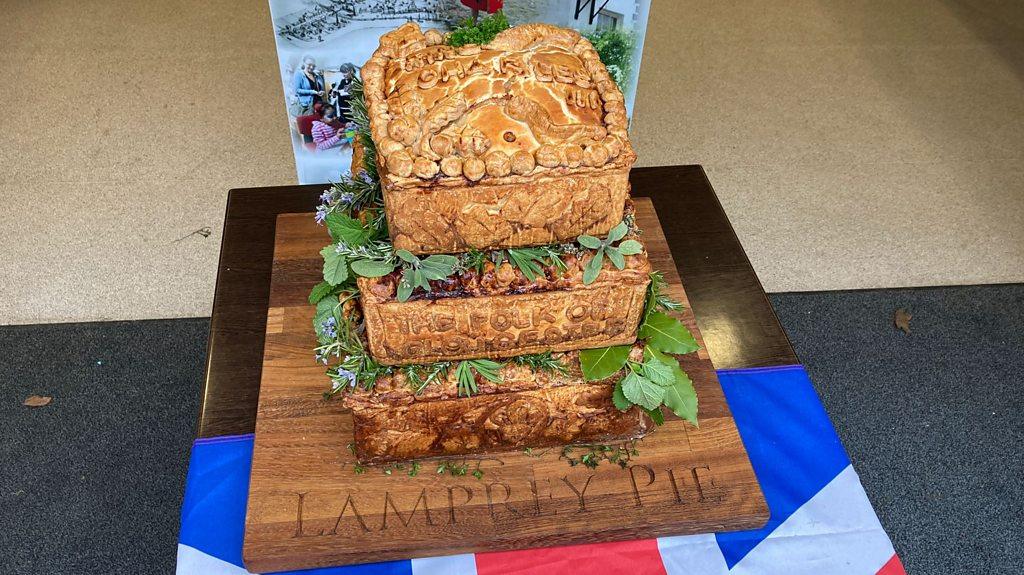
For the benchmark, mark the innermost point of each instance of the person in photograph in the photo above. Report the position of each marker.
(325, 130)
(308, 88)
(340, 92)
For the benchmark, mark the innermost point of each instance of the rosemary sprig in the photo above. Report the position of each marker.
(541, 362)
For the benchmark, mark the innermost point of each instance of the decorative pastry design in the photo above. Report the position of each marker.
(439, 101)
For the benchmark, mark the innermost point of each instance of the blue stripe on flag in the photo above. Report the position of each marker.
(790, 440)
(213, 511)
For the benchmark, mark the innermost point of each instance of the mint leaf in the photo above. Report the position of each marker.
(319, 291)
(589, 242)
(335, 267)
(642, 391)
(347, 229)
(372, 268)
(593, 267)
(666, 333)
(601, 363)
(619, 400)
(680, 397)
(630, 247)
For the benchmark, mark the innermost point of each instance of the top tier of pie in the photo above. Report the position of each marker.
(535, 107)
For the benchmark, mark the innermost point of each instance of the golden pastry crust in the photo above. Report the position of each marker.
(527, 408)
(534, 106)
(502, 314)
(534, 84)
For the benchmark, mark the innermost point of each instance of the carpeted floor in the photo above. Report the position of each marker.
(92, 483)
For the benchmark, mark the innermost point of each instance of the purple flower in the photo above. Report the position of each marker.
(326, 196)
(346, 198)
(321, 214)
(365, 177)
(328, 327)
(351, 377)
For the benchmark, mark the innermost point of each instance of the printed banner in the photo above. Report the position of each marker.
(321, 44)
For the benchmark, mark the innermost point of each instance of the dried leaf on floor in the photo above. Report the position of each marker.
(37, 401)
(901, 319)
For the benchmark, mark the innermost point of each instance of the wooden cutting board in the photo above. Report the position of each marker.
(309, 508)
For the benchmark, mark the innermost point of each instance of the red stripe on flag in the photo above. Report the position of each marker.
(632, 557)
(892, 567)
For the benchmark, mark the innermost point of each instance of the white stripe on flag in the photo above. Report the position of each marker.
(692, 555)
(450, 565)
(836, 532)
(192, 561)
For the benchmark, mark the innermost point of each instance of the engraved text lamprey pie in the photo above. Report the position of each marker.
(518, 142)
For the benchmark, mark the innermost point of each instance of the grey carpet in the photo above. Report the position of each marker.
(93, 482)
(932, 420)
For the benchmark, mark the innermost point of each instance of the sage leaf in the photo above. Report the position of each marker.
(405, 287)
(407, 256)
(616, 257)
(665, 333)
(319, 291)
(589, 242)
(617, 233)
(372, 268)
(642, 391)
(630, 247)
(593, 267)
(347, 229)
(601, 363)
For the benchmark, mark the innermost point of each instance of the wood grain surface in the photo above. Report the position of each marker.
(309, 508)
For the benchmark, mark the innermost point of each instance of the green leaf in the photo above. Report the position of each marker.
(347, 229)
(335, 267)
(665, 333)
(407, 256)
(372, 268)
(601, 363)
(630, 247)
(405, 286)
(324, 309)
(680, 397)
(420, 279)
(618, 232)
(437, 267)
(619, 400)
(616, 257)
(658, 372)
(488, 369)
(656, 416)
(526, 260)
(642, 391)
(593, 267)
(589, 242)
(319, 291)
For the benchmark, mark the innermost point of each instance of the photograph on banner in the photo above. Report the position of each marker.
(322, 44)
